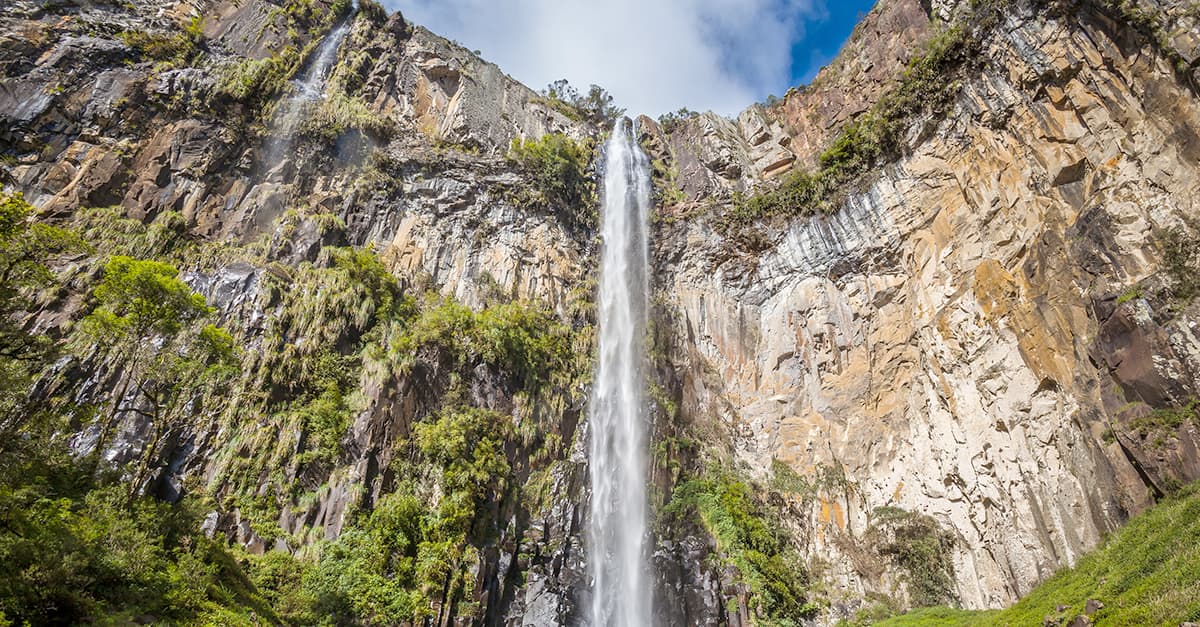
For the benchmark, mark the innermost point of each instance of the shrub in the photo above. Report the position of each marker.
(338, 113)
(178, 48)
(596, 107)
(921, 548)
(521, 340)
(669, 122)
(1165, 420)
(731, 514)
(258, 81)
(557, 167)
(1181, 261)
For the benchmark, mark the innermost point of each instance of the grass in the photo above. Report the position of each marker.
(1146, 573)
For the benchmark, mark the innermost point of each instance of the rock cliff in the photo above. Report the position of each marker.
(989, 339)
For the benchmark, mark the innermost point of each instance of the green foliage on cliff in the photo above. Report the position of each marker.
(75, 547)
(338, 113)
(178, 48)
(144, 296)
(414, 548)
(73, 552)
(558, 168)
(1181, 261)
(258, 81)
(730, 512)
(669, 122)
(1145, 573)
(27, 248)
(595, 107)
(925, 87)
(518, 338)
(920, 548)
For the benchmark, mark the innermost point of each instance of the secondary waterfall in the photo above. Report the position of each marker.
(617, 531)
(308, 88)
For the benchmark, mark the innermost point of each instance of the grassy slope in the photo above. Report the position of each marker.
(1146, 573)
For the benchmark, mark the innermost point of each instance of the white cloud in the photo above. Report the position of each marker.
(654, 56)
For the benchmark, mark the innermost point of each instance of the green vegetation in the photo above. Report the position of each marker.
(596, 107)
(1181, 261)
(926, 86)
(523, 340)
(86, 547)
(74, 545)
(1162, 423)
(1146, 573)
(73, 550)
(256, 82)
(26, 249)
(746, 539)
(920, 548)
(176, 49)
(1153, 23)
(558, 168)
(1133, 293)
(669, 122)
(338, 113)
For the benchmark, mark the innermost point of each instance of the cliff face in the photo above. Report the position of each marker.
(982, 334)
(974, 334)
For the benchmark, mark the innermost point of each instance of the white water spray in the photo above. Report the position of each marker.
(617, 531)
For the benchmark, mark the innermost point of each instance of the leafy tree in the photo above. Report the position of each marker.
(152, 320)
(27, 248)
(597, 106)
(671, 121)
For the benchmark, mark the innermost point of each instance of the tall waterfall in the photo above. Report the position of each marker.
(617, 532)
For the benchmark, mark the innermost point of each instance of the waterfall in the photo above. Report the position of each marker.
(617, 530)
(308, 88)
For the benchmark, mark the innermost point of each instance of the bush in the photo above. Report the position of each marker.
(596, 107)
(1181, 261)
(258, 81)
(338, 113)
(917, 545)
(84, 553)
(177, 48)
(557, 167)
(671, 121)
(523, 341)
(731, 514)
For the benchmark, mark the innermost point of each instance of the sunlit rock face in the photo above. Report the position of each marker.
(959, 338)
(953, 336)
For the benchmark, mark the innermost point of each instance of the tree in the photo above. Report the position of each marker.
(27, 248)
(596, 107)
(151, 320)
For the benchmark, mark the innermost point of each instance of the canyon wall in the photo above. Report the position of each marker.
(978, 334)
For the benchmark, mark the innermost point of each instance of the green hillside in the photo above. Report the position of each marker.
(1146, 573)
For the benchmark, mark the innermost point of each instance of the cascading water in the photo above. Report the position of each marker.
(307, 89)
(617, 531)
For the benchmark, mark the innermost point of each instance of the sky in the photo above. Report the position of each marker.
(653, 56)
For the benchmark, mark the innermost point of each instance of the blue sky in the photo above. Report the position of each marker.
(824, 36)
(654, 56)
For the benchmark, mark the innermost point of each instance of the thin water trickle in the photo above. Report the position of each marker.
(307, 89)
(617, 530)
